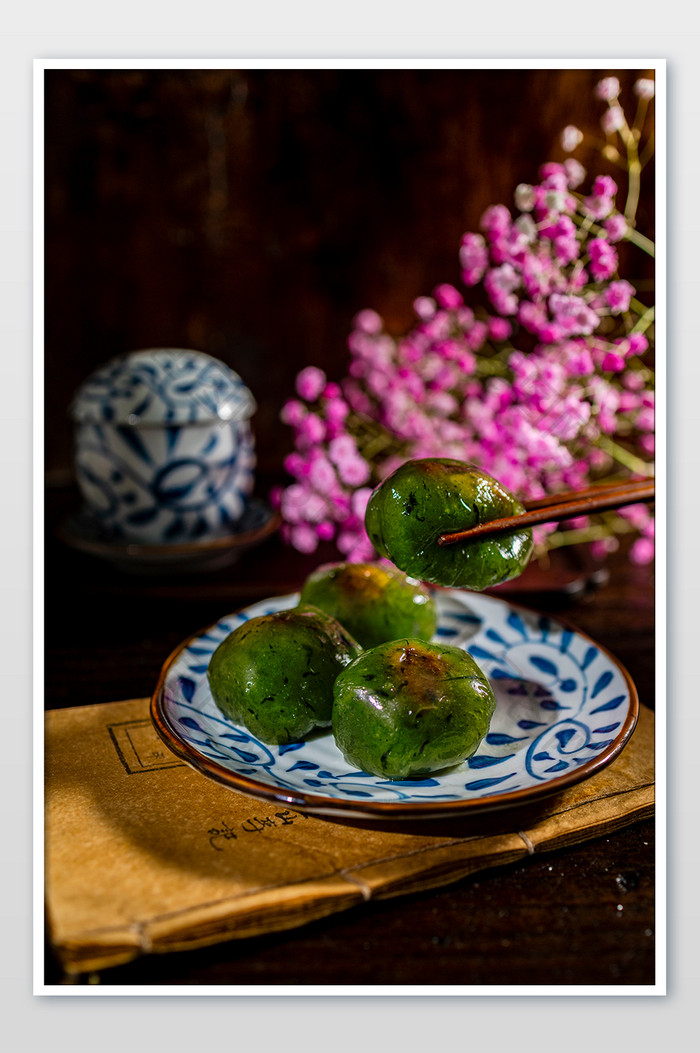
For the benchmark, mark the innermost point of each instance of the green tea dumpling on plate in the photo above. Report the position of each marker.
(275, 673)
(374, 603)
(408, 708)
(422, 499)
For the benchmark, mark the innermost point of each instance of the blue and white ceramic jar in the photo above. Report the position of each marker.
(164, 450)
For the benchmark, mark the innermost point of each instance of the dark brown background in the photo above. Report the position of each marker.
(252, 213)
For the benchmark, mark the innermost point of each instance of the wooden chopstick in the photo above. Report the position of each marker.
(622, 485)
(601, 498)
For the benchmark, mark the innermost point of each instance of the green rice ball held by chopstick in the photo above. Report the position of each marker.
(423, 499)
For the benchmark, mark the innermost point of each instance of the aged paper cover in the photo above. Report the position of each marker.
(145, 855)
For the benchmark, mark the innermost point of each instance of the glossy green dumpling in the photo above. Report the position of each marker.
(374, 603)
(423, 499)
(408, 708)
(275, 673)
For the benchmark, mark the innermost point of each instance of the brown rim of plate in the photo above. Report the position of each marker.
(191, 548)
(319, 804)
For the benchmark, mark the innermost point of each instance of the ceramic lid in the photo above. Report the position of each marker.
(163, 385)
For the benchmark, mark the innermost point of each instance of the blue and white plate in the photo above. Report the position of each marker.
(566, 708)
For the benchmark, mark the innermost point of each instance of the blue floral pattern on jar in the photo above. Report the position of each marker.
(164, 450)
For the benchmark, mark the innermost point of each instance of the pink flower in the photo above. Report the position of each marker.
(618, 295)
(628, 401)
(341, 449)
(357, 398)
(531, 417)
(354, 471)
(424, 306)
(602, 547)
(598, 206)
(496, 220)
(552, 333)
(341, 505)
(642, 551)
(645, 419)
(310, 383)
(523, 233)
(604, 186)
(569, 417)
(525, 197)
(321, 474)
(570, 138)
(607, 401)
(644, 88)
(532, 316)
(368, 321)
(293, 413)
(607, 89)
(599, 460)
(637, 515)
(612, 120)
(311, 430)
(572, 314)
(633, 381)
(477, 335)
(378, 382)
(575, 172)
(615, 227)
(638, 344)
(448, 297)
(474, 257)
(441, 402)
(566, 249)
(303, 537)
(576, 358)
(296, 465)
(445, 377)
(294, 501)
(336, 410)
(499, 284)
(325, 531)
(553, 175)
(612, 362)
(360, 500)
(316, 509)
(499, 329)
(362, 552)
(603, 258)
(355, 545)
(465, 317)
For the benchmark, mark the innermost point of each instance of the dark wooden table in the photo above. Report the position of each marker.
(577, 916)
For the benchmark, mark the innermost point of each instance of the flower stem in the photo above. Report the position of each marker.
(645, 319)
(585, 534)
(647, 152)
(623, 456)
(642, 242)
(492, 367)
(633, 192)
